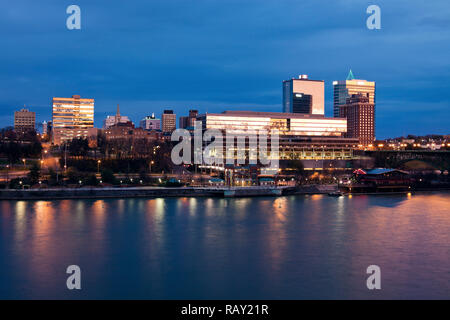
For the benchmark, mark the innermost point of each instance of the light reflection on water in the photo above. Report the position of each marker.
(256, 248)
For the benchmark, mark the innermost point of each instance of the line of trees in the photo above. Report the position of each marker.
(15, 146)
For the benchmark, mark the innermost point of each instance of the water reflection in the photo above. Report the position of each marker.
(260, 248)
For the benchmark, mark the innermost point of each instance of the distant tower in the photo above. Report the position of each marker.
(44, 127)
(117, 120)
(24, 120)
(344, 89)
(169, 119)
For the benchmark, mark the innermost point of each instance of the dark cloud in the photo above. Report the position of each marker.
(217, 55)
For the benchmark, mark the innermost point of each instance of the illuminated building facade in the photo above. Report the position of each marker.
(344, 89)
(301, 136)
(169, 121)
(360, 114)
(24, 120)
(71, 118)
(150, 123)
(303, 95)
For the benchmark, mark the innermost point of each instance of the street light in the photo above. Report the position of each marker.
(98, 166)
(7, 174)
(150, 165)
(24, 162)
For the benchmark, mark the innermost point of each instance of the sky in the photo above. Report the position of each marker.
(216, 55)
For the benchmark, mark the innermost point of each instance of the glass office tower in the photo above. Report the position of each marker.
(344, 89)
(303, 95)
(71, 117)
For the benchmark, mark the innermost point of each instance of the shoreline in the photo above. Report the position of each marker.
(164, 192)
(158, 192)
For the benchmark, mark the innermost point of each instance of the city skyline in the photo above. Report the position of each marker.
(239, 65)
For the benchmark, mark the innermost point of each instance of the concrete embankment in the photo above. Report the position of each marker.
(157, 192)
(80, 193)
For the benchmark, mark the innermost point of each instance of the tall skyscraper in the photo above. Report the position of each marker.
(24, 120)
(360, 114)
(344, 89)
(169, 121)
(150, 123)
(71, 118)
(303, 95)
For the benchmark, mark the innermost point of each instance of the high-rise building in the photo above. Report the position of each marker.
(183, 122)
(150, 123)
(344, 89)
(189, 121)
(24, 120)
(169, 121)
(360, 113)
(117, 118)
(44, 128)
(49, 130)
(71, 118)
(303, 95)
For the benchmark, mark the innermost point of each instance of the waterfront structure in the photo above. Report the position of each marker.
(304, 95)
(189, 121)
(24, 120)
(117, 118)
(71, 118)
(150, 123)
(301, 136)
(378, 180)
(344, 89)
(360, 114)
(169, 121)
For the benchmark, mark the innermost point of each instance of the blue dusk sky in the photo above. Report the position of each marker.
(148, 55)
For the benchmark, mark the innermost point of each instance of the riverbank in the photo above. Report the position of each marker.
(158, 192)
(163, 192)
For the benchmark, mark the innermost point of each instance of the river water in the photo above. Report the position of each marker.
(297, 247)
